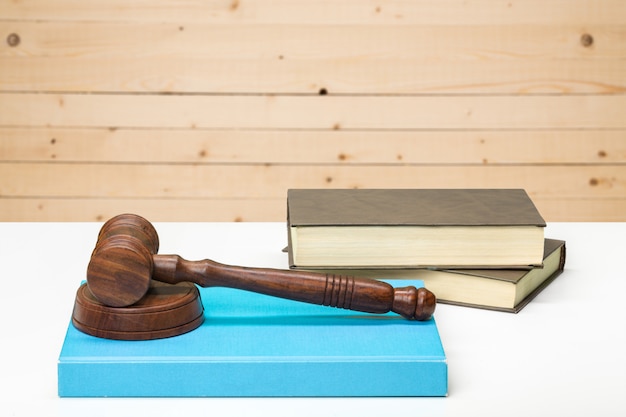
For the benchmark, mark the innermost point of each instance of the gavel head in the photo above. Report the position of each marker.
(121, 265)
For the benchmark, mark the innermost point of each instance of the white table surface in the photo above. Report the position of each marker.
(564, 354)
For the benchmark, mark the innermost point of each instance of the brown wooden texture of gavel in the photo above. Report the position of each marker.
(125, 260)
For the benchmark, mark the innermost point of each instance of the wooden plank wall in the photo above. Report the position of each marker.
(210, 110)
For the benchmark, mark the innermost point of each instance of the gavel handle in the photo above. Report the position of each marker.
(359, 294)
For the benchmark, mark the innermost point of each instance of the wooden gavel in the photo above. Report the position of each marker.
(125, 261)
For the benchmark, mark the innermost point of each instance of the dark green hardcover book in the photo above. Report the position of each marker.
(442, 228)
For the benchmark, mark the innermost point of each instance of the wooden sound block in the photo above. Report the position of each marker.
(166, 310)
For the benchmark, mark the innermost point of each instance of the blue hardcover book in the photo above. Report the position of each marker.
(252, 345)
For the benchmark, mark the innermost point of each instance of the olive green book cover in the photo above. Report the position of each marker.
(473, 228)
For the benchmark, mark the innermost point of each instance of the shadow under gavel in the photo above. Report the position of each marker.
(125, 261)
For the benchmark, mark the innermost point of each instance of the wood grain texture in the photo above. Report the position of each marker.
(366, 12)
(303, 77)
(229, 146)
(314, 112)
(173, 181)
(342, 59)
(165, 311)
(448, 43)
(211, 110)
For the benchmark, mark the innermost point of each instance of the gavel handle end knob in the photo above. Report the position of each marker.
(414, 303)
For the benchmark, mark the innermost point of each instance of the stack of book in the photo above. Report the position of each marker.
(475, 247)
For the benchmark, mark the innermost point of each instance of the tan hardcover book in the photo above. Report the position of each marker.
(470, 228)
(495, 289)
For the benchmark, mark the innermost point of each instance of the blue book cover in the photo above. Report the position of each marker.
(252, 345)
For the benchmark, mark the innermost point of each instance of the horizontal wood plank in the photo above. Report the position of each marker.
(313, 112)
(157, 209)
(369, 12)
(161, 146)
(271, 181)
(321, 76)
(108, 57)
(199, 42)
(251, 210)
